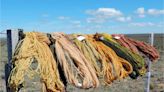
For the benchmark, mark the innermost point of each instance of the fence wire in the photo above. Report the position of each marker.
(35, 86)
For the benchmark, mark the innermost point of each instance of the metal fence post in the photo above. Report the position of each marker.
(12, 40)
(149, 65)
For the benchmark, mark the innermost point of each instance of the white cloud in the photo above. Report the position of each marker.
(63, 17)
(161, 24)
(98, 26)
(141, 12)
(141, 16)
(104, 12)
(95, 20)
(76, 22)
(102, 15)
(142, 24)
(124, 19)
(45, 15)
(128, 18)
(155, 12)
(78, 26)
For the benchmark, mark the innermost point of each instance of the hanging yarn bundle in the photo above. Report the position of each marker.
(137, 46)
(135, 59)
(87, 49)
(34, 47)
(113, 66)
(120, 38)
(76, 67)
(78, 60)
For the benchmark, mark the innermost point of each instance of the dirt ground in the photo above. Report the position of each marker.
(125, 85)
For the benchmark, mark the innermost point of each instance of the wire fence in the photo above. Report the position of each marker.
(34, 86)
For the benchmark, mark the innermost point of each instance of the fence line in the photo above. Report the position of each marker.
(2, 33)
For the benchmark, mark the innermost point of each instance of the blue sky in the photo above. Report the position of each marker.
(83, 16)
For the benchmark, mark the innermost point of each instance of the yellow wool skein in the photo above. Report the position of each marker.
(35, 46)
